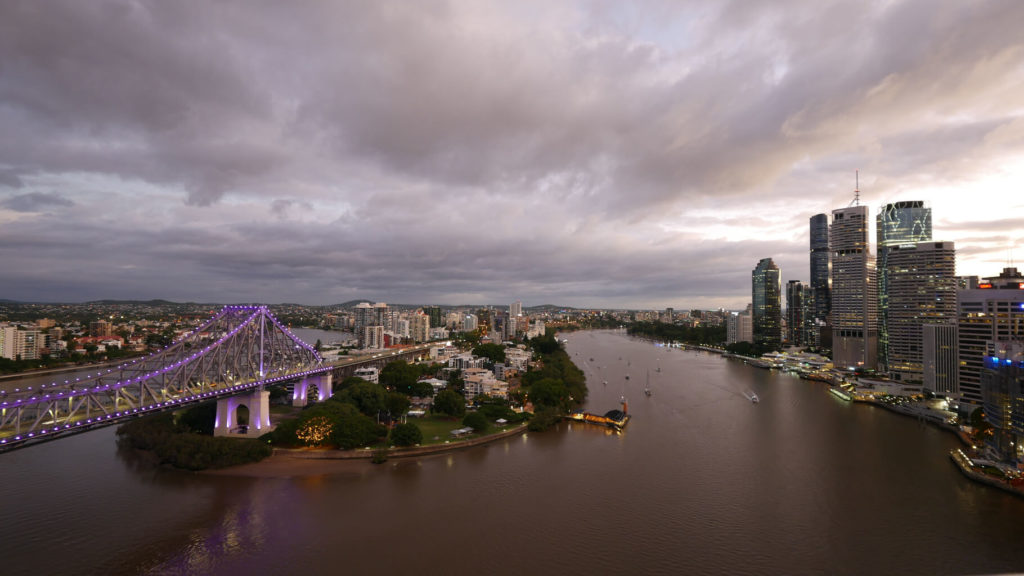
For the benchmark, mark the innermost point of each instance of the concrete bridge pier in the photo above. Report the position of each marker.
(258, 422)
(323, 383)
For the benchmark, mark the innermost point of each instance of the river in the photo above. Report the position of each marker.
(702, 481)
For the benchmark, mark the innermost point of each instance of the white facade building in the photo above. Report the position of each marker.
(368, 373)
(19, 342)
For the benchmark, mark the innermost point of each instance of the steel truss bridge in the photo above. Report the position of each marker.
(240, 348)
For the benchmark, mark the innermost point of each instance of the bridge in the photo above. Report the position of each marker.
(231, 357)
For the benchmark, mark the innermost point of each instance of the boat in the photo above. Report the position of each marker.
(647, 385)
(753, 398)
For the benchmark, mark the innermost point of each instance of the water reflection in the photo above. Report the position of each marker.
(701, 481)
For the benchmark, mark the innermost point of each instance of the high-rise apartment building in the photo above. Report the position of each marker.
(419, 327)
(767, 300)
(362, 316)
(992, 312)
(854, 290)
(921, 280)
(515, 310)
(382, 315)
(820, 286)
(434, 313)
(373, 337)
(795, 325)
(897, 224)
(739, 327)
(19, 342)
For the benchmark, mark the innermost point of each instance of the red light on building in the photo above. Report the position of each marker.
(985, 285)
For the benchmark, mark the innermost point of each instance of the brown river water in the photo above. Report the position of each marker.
(702, 481)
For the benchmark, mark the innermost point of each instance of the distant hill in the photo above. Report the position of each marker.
(547, 308)
(154, 302)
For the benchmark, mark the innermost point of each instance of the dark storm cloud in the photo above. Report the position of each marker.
(436, 150)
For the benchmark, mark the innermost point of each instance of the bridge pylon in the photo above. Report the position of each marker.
(228, 423)
(323, 383)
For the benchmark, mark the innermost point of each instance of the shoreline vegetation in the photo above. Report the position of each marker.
(356, 422)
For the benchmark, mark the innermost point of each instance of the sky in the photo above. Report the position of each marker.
(589, 154)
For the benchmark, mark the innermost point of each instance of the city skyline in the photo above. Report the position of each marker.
(587, 155)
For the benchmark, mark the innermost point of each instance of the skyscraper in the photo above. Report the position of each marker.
(1002, 387)
(516, 309)
(820, 286)
(994, 311)
(922, 290)
(940, 361)
(795, 312)
(854, 291)
(898, 223)
(767, 299)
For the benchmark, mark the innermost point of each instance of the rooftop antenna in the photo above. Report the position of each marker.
(856, 191)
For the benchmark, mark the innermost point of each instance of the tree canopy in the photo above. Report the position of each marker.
(493, 352)
(367, 397)
(330, 423)
(449, 402)
(477, 421)
(403, 377)
(406, 435)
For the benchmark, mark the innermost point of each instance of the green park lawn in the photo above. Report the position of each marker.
(439, 426)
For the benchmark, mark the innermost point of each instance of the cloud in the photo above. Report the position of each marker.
(35, 202)
(578, 153)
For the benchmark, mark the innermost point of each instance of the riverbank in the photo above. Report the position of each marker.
(976, 471)
(288, 462)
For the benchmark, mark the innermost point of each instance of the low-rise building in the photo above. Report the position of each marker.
(369, 374)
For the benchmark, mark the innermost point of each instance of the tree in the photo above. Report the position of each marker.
(550, 393)
(406, 435)
(352, 429)
(315, 431)
(472, 338)
(349, 428)
(476, 421)
(399, 376)
(546, 344)
(456, 382)
(396, 403)
(493, 352)
(200, 418)
(980, 424)
(449, 402)
(367, 397)
(318, 345)
(543, 419)
(347, 382)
